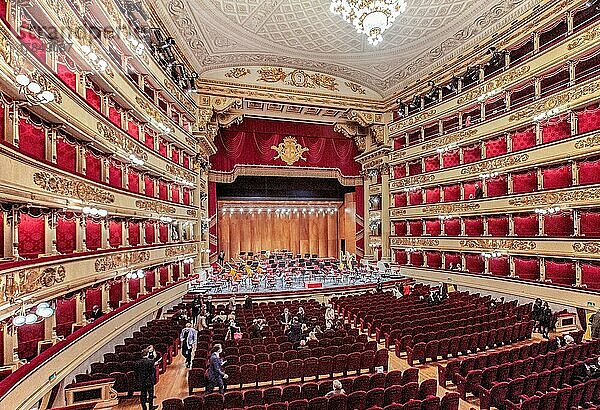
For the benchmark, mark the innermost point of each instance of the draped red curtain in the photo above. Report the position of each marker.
(149, 227)
(400, 228)
(93, 234)
(32, 139)
(150, 281)
(28, 337)
(589, 119)
(499, 266)
(556, 129)
(401, 257)
(164, 275)
(523, 139)
(66, 152)
(451, 259)
(495, 147)
(434, 260)
(93, 166)
(590, 275)
(498, 226)
(473, 226)
(451, 158)
(527, 268)
(134, 233)
(432, 195)
(497, 186)
(133, 180)
(590, 224)
(524, 182)
(559, 224)
(526, 225)
(400, 200)
(452, 227)
(451, 193)
(471, 153)
(65, 316)
(93, 297)
(31, 236)
(433, 227)
(557, 177)
(134, 288)
(560, 272)
(115, 294)
(474, 263)
(589, 172)
(66, 233)
(416, 228)
(148, 186)
(115, 233)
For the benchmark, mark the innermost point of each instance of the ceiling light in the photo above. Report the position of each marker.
(18, 320)
(31, 319)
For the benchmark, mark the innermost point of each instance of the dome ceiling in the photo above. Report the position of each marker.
(304, 34)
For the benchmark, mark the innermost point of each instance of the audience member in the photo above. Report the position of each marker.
(546, 320)
(247, 302)
(215, 374)
(595, 325)
(286, 319)
(295, 332)
(96, 312)
(189, 338)
(536, 314)
(337, 389)
(145, 375)
(329, 317)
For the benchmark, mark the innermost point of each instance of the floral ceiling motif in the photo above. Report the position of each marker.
(304, 34)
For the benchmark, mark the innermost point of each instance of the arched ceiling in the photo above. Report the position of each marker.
(304, 34)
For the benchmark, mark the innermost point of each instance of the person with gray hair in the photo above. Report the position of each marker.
(337, 389)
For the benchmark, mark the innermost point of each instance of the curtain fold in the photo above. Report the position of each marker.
(66, 234)
(32, 139)
(65, 316)
(31, 236)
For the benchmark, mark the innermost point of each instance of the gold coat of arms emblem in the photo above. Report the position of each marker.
(289, 150)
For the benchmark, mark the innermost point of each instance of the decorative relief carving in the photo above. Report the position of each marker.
(414, 242)
(397, 212)
(397, 155)
(191, 212)
(498, 82)
(150, 110)
(425, 115)
(180, 250)
(375, 189)
(289, 151)
(555, 101)
(124, 143)
(504, 244)
(551, 198)
(355, 88)
(495, 164)
(587, 247)
(226, 120)
(587, 36)
(24, 281)
(414, 180)
(352, 131)
(180, 172)
(72, 188)
(155, 206)
(377, 133)
(121, 260)
(169, 86)
(449, 139)
(237, 72)
(450, 208)
(588, 142)
(297, 78)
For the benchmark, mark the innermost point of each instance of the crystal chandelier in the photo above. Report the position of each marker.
(370, 17)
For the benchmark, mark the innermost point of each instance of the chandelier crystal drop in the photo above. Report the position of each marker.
(370, 17)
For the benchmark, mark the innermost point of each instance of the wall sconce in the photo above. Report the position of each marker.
(35, 88)
(95, 212)
(139, 274)
(98, 63)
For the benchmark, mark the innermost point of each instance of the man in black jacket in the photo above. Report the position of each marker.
(145, 374)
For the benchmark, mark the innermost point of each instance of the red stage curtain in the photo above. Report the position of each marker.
(150, 280)
(32, 139)
(527, 268)
(134, 288)
(175, 154)
(451, 193)
(115, 174)
(590, 275)
(415, 167)
(175, 193)
(93, 97)
(164, 275)
(133, 179)
(471, 153)
(114, 114)
(93, 297)
(499, 266)
(473, 226)
(589, 172)
(65, 154)
(433, 227)
(186, 161)
(134, 233)
(526, 225)
(399, 171)
(498, 226)
(590, 223)
(556, 129)
(559, 224)
(175, 268)
(162, 147)
(31, 236)
(523, 139)
(28, 337)
(133, 128)
(67, 75)
(524, 182)
(115, 294)
(186, 196)
(559, 177)
(434, 260)
(401, 257)
(452, 259)
(452, 227)
(469, 189)
(416, 197)
(432, 195)
(65, 316)
(115, 233)
(416, 228)
(163, 232)
(400, 228)
(93, 234)
(149, 232)
(589, 119)
(495, 147)
(432, 163)
(451, 158)
(474, 263)
(560, 272)
(149, 186)
(416, 258)
(162, 190)
(497, 186)
(149, 141)
(65, 234)
(93, 166)
(400, 200)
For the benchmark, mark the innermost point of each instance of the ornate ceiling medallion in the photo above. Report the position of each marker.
(297, 78)
(289, 151)
(370, 17)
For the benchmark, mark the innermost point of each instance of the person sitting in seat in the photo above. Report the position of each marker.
(337, 389)
(295, 332)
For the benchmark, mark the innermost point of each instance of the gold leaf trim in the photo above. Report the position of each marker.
(495, 164)
(412, 120)
(499, 82)
(155, 206)
(588, 142)
(449, 139)
(450, 208)
(415, 242)
(237, 72)
(589, 35)
(71, 188)
(587, 247)
(180, 250)
(414, 180)
(551, 198)
(121, 260)
(504, 244)
(297, 78)
(25, 281)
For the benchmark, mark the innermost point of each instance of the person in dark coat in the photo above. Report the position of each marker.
(96, 312)
(546, 320)
(536, 313)
(595, 325)
(215, 374)
(295, 333)
(145, 374)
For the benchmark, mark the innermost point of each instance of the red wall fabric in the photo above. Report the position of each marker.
(134, 288)
(65, 235)
(495, 147)
(590, 275)
(452, 227)
(163, 232)
(416, 228)
(560, 272)
(186, 196)
(499, 266)
(65, 316)
(523, 139)
(527, 268)
(400, 228)
(399, 142)
(433, 227)
(32, 140)
(473, 226)
(469, 189)
(93, 166)
(524, 182)
(526, 225)
(415, 167)
(399, 171)
(559, 177)
(1, 236)
(134, 233)
(150, 280)
(416, 258)
(115, 294)
(93, 235)
(400, 200)
(115, 175)
(175, 194)
(65, 154)
(30, 39)
(115, 234)
(452, 259)
(186, 161)
(250, 143)
(162, 147)
(471, 154)
(589, 119)
(176, 273)
(175, 154)
(589, 172)
(559, 224)
(434, 260)
(28, 337)
(68, 76)
(432, 163)
(452, 193)
(148, 186)
(93, 297)
(31, 236)
(93, 98)
(133, 129)
(497, 186)
(474, 263)
(149, 232)
(133, 179)
(164, 275)
(149, 141)
(162, 190)
(556, 129)
(114, 115)
(432, 195)
(415, 197)
(498, 226)
(360, 214)
(401, 257)
(590, 224)
(451, 158)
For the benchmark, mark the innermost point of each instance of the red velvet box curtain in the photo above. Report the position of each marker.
(163, 275)
(589, 172)
(474, 263)
(499, 266)
(399, 171)
(92, 96)
(65, 316)
(416, 258)
(150, 281)
(93, 234)
(31, 40)
(498, 226)
(176, 273)
(416, 197)
(115, 233)
(434, 260)
(560, 272)
(93, 166)
(497, 186)
(93, 297)
(186, 196)
(524, 182)
(250, 143)
(32, 138)
(432, 195)
(590, 275)
(558, 177)
(452, 227)
(67, 75)
(416, 228)
(148, 186)
(133, 179)
(471, 154)
(433, 227)
(432, 163)
(556, 129)
(589, 119)
(451, 159)
(400, 200)
(400, 228)
(28, 338)
(163, 233)
(523, 139)
(451, 193)
(115, 294)
(134, 233)
(401, 257)
(495, 147)
(115, 174)
(559, 224)
(590, 224)
(66, 152)
(66, 234)
(134, 288)
(415, 167)
(526, 225)
(149, 228)
(452, 259)
(31, 236)
(473, 226)
(133, 128)
(527, 268)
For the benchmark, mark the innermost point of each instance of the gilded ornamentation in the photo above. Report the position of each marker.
(191, 142)
(394, 213)
(297, 78)
(414, 242)
(397, 155)
(450, 208)
(237, 72)
(181, 172)
(289, 151)
(228, 119)
(355, 88)
(504, 244)
(449, 139)
(588, 142)
(587, 36)
(150, 109)
(155, 206)
(180, 250)
(121, 260)
(352, 131)
(181, 97)
(555, 101)
(425, 115)
(552, 198)
(495, 84)
(24, 281)
(125, 143)
(72, 188)
(364, 118)
(414, 180)
(377, 134)
(587, 247)
(494, 164)
(191, 212)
